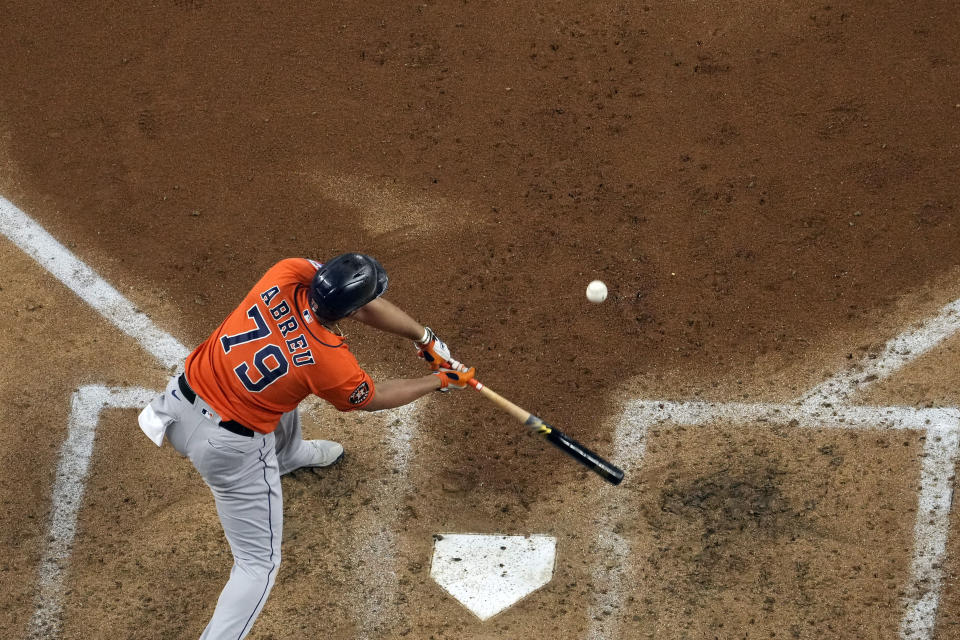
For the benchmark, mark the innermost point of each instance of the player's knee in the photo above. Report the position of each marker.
(258, 569)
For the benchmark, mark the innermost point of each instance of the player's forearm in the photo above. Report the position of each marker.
(390, 394)
(386, 316)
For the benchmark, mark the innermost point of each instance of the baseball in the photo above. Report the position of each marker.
(596, 292)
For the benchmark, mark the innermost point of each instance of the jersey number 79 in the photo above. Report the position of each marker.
(269, 361)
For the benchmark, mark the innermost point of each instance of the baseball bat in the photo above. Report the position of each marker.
(562, 441)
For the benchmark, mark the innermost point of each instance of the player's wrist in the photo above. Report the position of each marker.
(427, 336)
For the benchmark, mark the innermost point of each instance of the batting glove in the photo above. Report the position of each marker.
(435, 352)
(454, 378)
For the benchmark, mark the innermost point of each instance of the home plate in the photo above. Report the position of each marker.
(490, 573)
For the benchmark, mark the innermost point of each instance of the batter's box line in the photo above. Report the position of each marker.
(825, 405)
(86, 405)
(942, 430)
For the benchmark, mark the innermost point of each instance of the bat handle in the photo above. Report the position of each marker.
(519, 413)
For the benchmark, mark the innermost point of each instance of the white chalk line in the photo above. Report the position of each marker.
(930, 533)
(34, 240)
(896, 354)
(825, 406)
(375, 582)
(376, 589)
(610, 583)
(86, 405)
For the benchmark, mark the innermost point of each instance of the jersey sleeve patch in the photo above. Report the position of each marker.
(360, 394)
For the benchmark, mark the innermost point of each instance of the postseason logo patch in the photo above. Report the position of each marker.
(360, 393)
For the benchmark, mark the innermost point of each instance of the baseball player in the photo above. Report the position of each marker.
(233, 411)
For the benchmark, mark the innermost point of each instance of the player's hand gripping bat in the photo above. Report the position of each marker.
(565, 443)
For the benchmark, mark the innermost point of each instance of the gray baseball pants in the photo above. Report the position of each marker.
(244, 475)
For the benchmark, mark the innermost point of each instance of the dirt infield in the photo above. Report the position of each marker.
(770, 191)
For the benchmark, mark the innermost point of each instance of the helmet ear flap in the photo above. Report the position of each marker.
(344, 284)
(382, 279)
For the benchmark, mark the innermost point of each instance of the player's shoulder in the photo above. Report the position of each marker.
(298, 263)
(299, 269)
(332, 364)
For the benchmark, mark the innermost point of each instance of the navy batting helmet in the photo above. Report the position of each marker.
(344, 284)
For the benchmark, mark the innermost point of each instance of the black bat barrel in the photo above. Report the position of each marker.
(577, 451)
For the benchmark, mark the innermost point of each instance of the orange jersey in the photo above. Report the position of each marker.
(271, 353)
